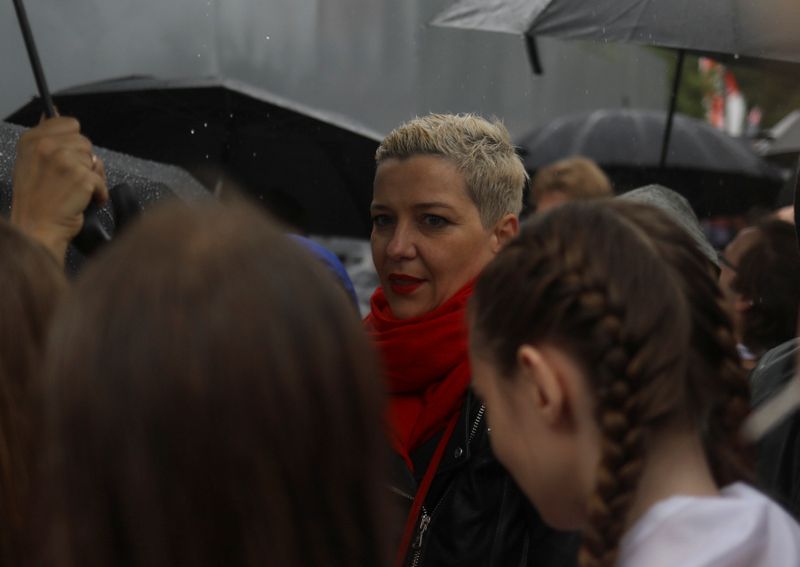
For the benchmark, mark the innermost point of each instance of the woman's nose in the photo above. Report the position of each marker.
(401, 245)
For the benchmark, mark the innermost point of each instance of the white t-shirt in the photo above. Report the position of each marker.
(739, 528)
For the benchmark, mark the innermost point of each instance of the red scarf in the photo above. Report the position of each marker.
(427, 366)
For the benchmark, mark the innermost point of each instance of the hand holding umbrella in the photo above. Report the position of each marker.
(84, 224)
(56, 176)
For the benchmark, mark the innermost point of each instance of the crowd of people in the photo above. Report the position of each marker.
(566, 390)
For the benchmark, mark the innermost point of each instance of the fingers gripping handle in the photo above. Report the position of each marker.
(93, 235)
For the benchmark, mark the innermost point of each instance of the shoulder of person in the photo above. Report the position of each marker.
(741, 526)
(774, 369)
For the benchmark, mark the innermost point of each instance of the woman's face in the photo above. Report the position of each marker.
(427, 236)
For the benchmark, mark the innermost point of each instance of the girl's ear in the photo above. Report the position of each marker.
(542, 384)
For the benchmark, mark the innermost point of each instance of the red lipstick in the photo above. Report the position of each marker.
(403, 284)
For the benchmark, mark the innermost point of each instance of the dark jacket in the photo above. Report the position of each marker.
(779, 449)
(474, 514)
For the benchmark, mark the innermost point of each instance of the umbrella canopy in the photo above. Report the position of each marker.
(150, 181)
(311, 169)
(785, 136)
(766, 29)
(717, 173)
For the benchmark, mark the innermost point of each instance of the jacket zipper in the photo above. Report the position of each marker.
(475, 425)
(425, 518)
(424, 522)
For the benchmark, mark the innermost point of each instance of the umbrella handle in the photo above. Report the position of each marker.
(125, 206)
(93, 234)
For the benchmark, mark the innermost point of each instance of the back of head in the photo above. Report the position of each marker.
(592, 279)
(768, 275)
(481, 150)
(31, 284)
(211, 400)
(570, 179)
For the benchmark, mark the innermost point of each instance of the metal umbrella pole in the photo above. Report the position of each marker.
(673, 103)
(36, 64)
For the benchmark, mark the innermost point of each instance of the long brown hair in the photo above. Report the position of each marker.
(212, 400)
(626, 291)
(31, 284)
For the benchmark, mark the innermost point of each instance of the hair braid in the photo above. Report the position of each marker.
(726, 400)
(717, 390)
(571, 284)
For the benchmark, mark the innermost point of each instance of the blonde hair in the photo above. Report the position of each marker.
(576, 177)
(481, 150)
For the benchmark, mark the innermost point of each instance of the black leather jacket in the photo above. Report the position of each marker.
(474, 513)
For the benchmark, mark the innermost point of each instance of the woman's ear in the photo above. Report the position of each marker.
(505, 230)
(542, 384)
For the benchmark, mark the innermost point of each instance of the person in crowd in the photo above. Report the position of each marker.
(332, 262)
(211, 399)
(56, 176)
(779, 449)
(447, 194)
(760, 277)
(31, 285)
(600, 344)
(569, 179)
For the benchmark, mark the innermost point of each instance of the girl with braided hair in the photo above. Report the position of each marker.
(609, 371)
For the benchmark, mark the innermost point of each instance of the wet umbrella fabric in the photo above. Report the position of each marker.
(785, 137)
(150, 181)
(715, 172)
(312, 170)
(766, 29)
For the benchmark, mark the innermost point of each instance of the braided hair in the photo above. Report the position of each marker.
(718, 394)
(591, 279)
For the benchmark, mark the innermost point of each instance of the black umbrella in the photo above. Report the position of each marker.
(149, 182)
(784, 138)
(766, 29)
(312, 170)
(716, 172)
(763, 29)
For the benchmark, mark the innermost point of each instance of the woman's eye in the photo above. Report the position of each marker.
(379, 221)
(435, 221)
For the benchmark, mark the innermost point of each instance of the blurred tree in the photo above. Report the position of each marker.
(774, 88)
